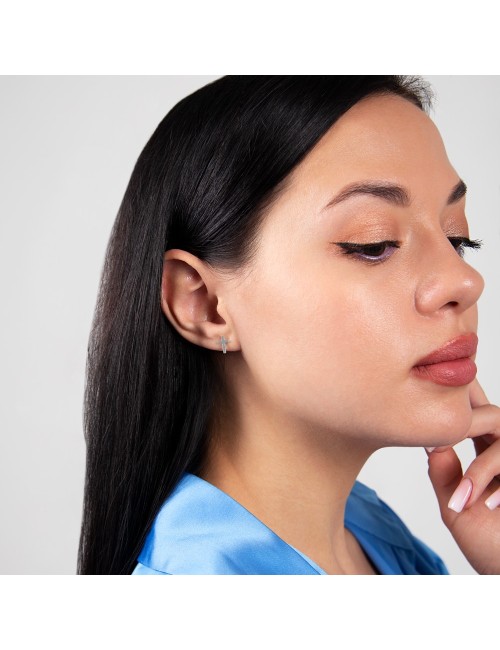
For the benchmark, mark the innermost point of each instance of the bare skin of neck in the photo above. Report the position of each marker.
(296, 488)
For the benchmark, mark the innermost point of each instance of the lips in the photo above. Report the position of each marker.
(450, 365)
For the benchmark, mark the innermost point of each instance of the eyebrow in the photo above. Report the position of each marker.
(395, 194)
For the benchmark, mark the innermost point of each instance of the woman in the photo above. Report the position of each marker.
(284, 293)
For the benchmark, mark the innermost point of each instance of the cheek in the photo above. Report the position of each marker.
(313, 343)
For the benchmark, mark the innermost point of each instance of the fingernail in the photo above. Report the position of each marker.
(429, 449)
(460, 496)
(493, 501)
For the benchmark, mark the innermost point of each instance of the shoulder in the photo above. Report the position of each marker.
(381, 529)
(201, 530)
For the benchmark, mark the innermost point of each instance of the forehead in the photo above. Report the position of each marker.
(381, 137)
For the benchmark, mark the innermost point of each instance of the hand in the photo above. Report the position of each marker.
(476, 528)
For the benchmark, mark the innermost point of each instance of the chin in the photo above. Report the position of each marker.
(448, 424)
(433, 422)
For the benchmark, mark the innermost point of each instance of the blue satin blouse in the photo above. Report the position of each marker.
(202, 530)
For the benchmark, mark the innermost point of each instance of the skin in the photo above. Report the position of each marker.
(322, 344)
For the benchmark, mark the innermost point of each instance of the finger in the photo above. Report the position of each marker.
(445, 473)
(477, 395)
(493, 501)
(485, 420)
(482, 471)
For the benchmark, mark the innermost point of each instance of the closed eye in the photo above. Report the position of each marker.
(373, 252)
(461, 243)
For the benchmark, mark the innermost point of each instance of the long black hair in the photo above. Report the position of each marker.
(202, 183)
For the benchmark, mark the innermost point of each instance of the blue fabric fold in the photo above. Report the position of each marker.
(201, 530)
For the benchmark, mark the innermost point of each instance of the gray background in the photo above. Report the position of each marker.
(68, 145)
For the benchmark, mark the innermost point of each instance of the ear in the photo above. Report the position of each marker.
(191, 300)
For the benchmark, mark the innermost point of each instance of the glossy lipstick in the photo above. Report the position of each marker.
(450, 365)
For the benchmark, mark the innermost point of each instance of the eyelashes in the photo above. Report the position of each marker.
(461, 243)
(380, 251)
(377, 251)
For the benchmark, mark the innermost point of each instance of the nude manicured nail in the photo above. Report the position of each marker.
(493, 501)
(460, 496)
(430, 449)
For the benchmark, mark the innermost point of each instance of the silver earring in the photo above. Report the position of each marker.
(223, 342)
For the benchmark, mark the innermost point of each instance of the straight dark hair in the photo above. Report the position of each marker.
(203, 183)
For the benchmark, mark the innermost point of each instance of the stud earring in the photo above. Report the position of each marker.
(223, 343)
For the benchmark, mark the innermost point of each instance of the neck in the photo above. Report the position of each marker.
(296, 480)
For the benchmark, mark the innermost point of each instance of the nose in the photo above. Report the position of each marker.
(447, 281)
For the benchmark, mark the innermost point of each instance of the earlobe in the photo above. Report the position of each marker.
(189, 300)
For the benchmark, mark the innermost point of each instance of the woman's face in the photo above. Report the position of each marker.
(329, 339)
